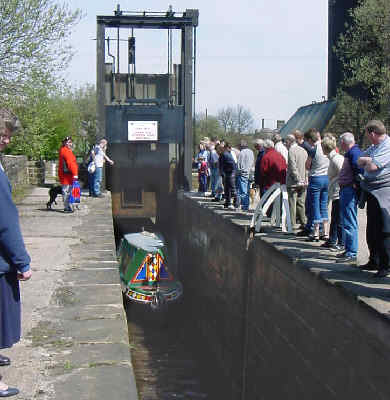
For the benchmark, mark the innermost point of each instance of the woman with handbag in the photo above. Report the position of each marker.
(67, 171)
(14, 259)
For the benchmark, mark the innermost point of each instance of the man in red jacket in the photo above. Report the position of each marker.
(273, 167)
(67, 171)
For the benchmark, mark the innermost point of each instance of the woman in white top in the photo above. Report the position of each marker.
(336, 160)
(317, 190)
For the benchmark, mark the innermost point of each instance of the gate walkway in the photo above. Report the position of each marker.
(74, 331)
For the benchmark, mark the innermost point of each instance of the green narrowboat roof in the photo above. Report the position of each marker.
(149, 242)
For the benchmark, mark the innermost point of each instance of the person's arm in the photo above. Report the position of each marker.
(24, 276)
(311, 153)
(367, 164)
(353, 157)
(71, 163)
(308, 163)
(108, 159)
(375, 158)
(11, 240)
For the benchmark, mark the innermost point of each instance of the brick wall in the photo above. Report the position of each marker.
(275, 326)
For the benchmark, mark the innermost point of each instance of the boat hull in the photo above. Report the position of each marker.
(152, 295)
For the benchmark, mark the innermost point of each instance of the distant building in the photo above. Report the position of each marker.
(338, 16)
(265, 133)
(280, 123)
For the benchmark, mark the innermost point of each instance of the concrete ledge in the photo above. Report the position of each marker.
(75, 340)
(281, 318)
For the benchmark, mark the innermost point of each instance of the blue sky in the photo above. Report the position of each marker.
(269, 56)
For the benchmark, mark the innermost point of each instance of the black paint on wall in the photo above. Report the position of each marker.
(338, 16)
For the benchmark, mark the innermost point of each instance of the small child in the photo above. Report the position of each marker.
(203, 172)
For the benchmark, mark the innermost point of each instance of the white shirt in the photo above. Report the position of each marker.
(99, 156)
(282, 149)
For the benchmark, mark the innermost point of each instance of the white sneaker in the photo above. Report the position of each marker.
(231, 207)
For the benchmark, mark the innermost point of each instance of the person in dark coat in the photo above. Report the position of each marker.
(14, 259)
(259, 146)
(228, 171)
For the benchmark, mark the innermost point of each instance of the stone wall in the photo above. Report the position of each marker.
(279, 326)
(16, 169)
(36, 172)
(51, 170)
(22, 172)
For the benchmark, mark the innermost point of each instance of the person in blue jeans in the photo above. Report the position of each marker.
(348, 181)
(317, 191)
(99, 157)
(336, 160)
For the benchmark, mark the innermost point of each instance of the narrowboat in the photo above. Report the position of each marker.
(144, 274)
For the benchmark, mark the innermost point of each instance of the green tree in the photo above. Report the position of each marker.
(206, 127)
(84, 99)
(47, 116)
(46, 119)
(352, 114)
(33, 43)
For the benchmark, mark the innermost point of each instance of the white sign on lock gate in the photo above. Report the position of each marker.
(142, 130)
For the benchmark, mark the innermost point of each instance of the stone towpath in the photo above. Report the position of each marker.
(74, 332)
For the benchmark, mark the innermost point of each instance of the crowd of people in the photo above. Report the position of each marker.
(318, 171)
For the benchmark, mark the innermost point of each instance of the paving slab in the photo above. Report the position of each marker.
(96, 384)
(87, 276)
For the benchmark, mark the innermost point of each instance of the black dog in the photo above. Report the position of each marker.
(54, 191)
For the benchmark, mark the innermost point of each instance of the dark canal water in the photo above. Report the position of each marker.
(167, 355)
(170, 358)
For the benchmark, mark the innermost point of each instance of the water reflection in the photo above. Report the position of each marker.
(165, 354)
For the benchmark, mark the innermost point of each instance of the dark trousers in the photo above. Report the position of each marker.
(230, 187)
(202, 183)
(336, 235)
(375, 236)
